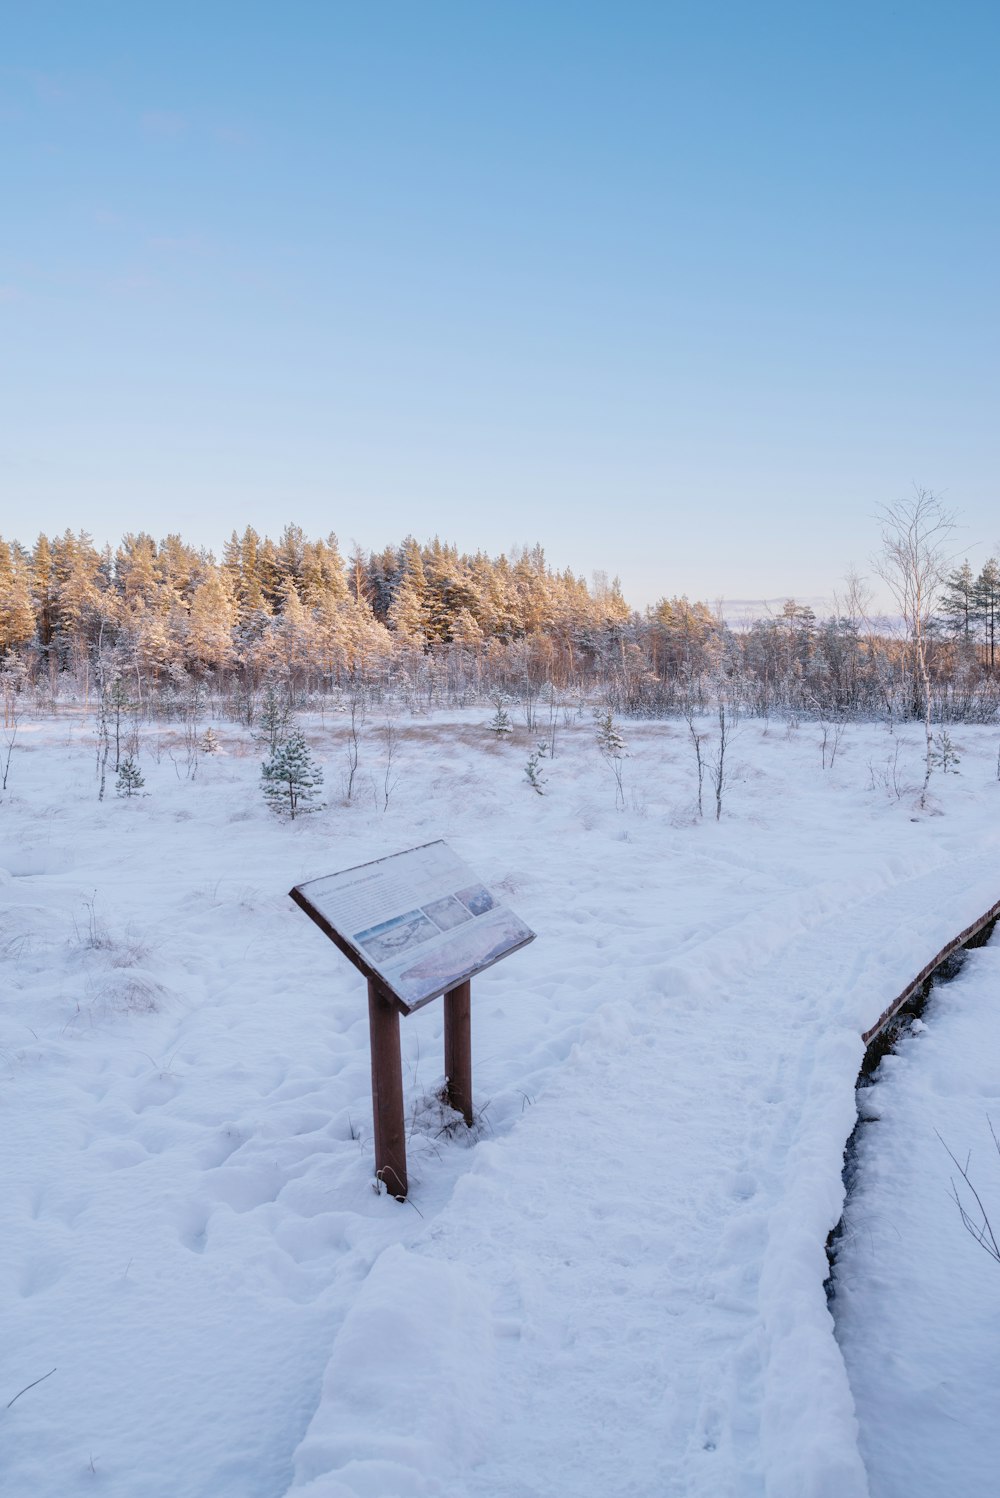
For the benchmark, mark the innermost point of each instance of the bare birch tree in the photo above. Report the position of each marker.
(912, 562)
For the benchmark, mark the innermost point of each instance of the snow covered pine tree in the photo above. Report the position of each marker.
(130, 778)
(291, 779)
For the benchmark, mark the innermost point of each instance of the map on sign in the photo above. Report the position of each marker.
(420, 922)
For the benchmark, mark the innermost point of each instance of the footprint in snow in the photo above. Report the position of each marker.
(193, 1227)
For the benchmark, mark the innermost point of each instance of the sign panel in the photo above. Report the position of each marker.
(419, 922)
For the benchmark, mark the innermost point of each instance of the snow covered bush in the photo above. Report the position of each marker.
(291, 779)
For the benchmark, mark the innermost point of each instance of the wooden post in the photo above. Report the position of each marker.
(387, 1092)
(458, 1048)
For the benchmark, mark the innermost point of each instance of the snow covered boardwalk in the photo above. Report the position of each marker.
(916, 1298)
(617, 1290)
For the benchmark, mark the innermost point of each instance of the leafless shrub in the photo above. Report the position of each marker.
(11, 723)
(94, 934)
(357, 707)
(915, 536)
(888, 778)
(830, 741)
(129, 993)
(972, 1213)
(389, 734)
(128, 951)
(697, 739)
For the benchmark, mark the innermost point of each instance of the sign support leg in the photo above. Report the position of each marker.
(387, 1092)
(458, 1048)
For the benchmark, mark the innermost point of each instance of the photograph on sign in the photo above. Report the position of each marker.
(393, 938)
(447, 913)
(470, 951)
(420, 920)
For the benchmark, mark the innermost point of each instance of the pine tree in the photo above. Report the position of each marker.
(609, 739)
(533, 769)
(77, 569)
(296, 633)
(323, 582)
(244, 562)
(291, 779)
(613, 750)
(116, 703)
(130, 780)
(987, 605)
(210, 625)
(958, 601)
(273, 719)
(17, 617)
(944, 756)
(465, 632)
(500, 723)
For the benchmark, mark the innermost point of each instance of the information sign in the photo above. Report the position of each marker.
(420, 922)
(417, 924)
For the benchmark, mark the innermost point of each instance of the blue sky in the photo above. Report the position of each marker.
(682, 291)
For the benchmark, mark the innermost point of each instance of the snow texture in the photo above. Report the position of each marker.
(916, 1299)
(614, 1284)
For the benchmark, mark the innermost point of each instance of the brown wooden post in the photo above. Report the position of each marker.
(387, 1092)
(458, 1048)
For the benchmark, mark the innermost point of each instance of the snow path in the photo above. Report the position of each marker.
(916, 1304)
(617, 1290)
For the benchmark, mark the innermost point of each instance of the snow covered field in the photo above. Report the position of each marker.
(616, 1286)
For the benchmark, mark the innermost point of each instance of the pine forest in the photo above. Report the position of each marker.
(427, 624)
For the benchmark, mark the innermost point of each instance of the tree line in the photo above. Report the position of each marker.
(428, 620)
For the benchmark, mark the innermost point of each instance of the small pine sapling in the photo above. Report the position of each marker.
(613, 750)
(272, 721)
(291, 779)
(209, 742)
(533, 769)
(130, 779)
(500, 724)
(117, 705)
(943, 755)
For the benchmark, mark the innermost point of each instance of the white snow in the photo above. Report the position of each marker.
(916, 1298)
(616, 1285)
